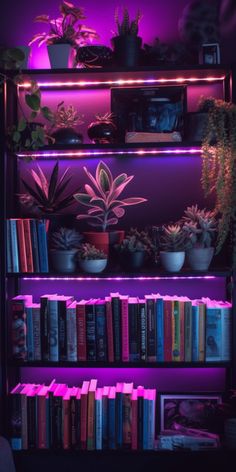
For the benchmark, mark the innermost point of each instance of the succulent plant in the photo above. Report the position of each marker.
(104, 207)
(65, 239)
(47, 194)
(172, 238)
(127, 27)
(107, 117)
(136, 241)
(66, 117)
(200, 227)
(89, 251)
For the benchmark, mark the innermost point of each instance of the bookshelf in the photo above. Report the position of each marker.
(152, 163)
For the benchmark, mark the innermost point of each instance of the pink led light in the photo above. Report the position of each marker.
(140, 152)
(118, 279)
(121, 82)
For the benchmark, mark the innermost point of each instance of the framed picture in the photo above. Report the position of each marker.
(149, 109)
(199, 411)
(210, 53)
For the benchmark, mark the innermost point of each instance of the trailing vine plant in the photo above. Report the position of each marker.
(219, 166)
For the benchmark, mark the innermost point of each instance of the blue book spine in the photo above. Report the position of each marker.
(9, 255)
(90, 332)
(104, 422)
(71, 334)
(213, 334)
(101, 338)
(119, 418)
(53, 331)
(195, 333)
(14, 246)
(43, 246)
(160, 329)
(145, 423)
(98, 416)
(111, 423)
(34, 243)
(29, 333)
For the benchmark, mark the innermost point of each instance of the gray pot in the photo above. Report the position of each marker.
(92, 266)
(200, 258)
(60, 55)
(64, 261)
(172, 261)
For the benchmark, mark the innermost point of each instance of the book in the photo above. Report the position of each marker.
(9, 249)
(90, 330)
(176, 331)
(21, 245)
(119, 414)
(19, 327)
(28, 246)
(142, 317)
(168, 316)
(112, 418)
(75, 410)
(91, 415)
(134, 416)
(98, 418)
(151, 328)
(42, 246)
(71, 332)
(101, 330)
(14, 246)
(24, 415)
(159, 327)
(140, 398)
(110, 341)
(36, 331)
(29, 333)
(16, 417)
(145, 137)
(187, 330)
(195, 332)
(124, 328)
(34, 244)
(66, 420)
(127, 419)
(44, 318)
(43, 417)
(84, 414)
(217, 323)
(134, 329)
(81, 330)
(151, 419)
(116, 319)
(63, 302)
(57, 415)
(105, 393)
(32, 417)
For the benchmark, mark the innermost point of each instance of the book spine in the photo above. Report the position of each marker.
(101, 337)
(62, 333)
(145, 423)
(32, 425)
(213, 334)
(110, 342)
(84, 409)
(66, 423)
(81, 330)
(111, 423)
(202, 332)
(14, 246)
(98, 416)
(37, 334)
(57, 438)
(176, 332)
(44, 317)
(226, 323)
(71, 330)
(21, 245)
(104, 422)
(160, 329)
(119, 419)
(75, 422)
(91, 422)
(16, 422)
(140, 422)
(143, 331)
(90, 333)
(9, 249)
(19, 330)
(116, 315)
(188, 331)
(53, 331)
(125, 330)
(134, 338)
(151, 423)
(151, 330)
(42, 436)
(24, 421)
(28, 246)
(182, 327)
(134, 424)
(34, 244)
(195, 333)
(168, 309)
(42, 246)
(127, 420)
(29, 334)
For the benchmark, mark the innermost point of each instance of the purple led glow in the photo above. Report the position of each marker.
(121, 279)
(141, 152)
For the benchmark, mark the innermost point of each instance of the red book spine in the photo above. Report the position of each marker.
(110, 341)
(21, 245)
(168, 309)
(81, 332)
(28, 246)
(181, 307)
(125, 329)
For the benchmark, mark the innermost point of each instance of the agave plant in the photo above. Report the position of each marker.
(172, 238)
(66, 117)
(103, 202)
(127, 27)
(200, 225)
(65, 239)
(47, 195)
(90, 252)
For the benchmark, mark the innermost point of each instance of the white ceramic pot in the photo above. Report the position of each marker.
(92, 266)
(172, 261)
(60, 55)
(200, 258)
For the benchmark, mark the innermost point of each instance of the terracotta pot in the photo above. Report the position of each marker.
(172, 261)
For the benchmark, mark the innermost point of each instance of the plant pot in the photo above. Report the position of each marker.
(92, 266)
(60, 55)
(67, 137)
(102, 132)
(26, 50)
(94, 56)
(200, 258)
(99, 240)
(64, 261)
(132, 261)
(127, 50)
(172, 261)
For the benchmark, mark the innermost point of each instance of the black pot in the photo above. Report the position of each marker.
(102, 132)
(127, 50)
(132, 261)
(67, 137)
(94, 56)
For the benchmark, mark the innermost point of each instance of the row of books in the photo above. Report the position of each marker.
(120, 328)
(87, 417)
(27, 249)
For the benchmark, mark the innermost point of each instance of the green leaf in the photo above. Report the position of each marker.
(21, 125)
(53, 182)
(47, 113)
(33, 115)
(33, 101)
(16, 136)
(104, 180)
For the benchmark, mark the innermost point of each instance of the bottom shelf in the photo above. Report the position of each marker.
(115, 461)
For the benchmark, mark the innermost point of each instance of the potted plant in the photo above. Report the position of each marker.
(172, 243)
(65, 120)
(64, 245)
(47, 195)
(103, 130)
(219, 168)
(104, 204)
(200, 227)
(134, 249)
(65, 35)
(91, 259)
(127, 43)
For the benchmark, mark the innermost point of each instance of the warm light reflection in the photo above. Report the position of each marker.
(136, 152)
(144, 278)
(121, 82)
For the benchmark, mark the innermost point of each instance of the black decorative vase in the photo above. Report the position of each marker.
(94, 56)
(132, 261)
(67, 137)
(127, 50)
(102, 132)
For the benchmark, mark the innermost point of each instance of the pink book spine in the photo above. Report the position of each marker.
(109, 330)
(134, 424)
(125, 328)
(81, 332)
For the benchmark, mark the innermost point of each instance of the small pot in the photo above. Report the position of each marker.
(63, 261)
(200, 258)
(172, 261)
(92, 266)
(67, 137)
(132, 260)
(102, 132)
(60, 55)
(127, 50)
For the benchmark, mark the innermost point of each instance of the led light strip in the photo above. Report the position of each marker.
(118, 279)
(140, 152)
(121, 82)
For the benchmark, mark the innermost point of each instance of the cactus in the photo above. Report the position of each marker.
(172, 238)
(136, 241)
(65, 239)
(127, 27)
(200, 226)
(89, 251)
